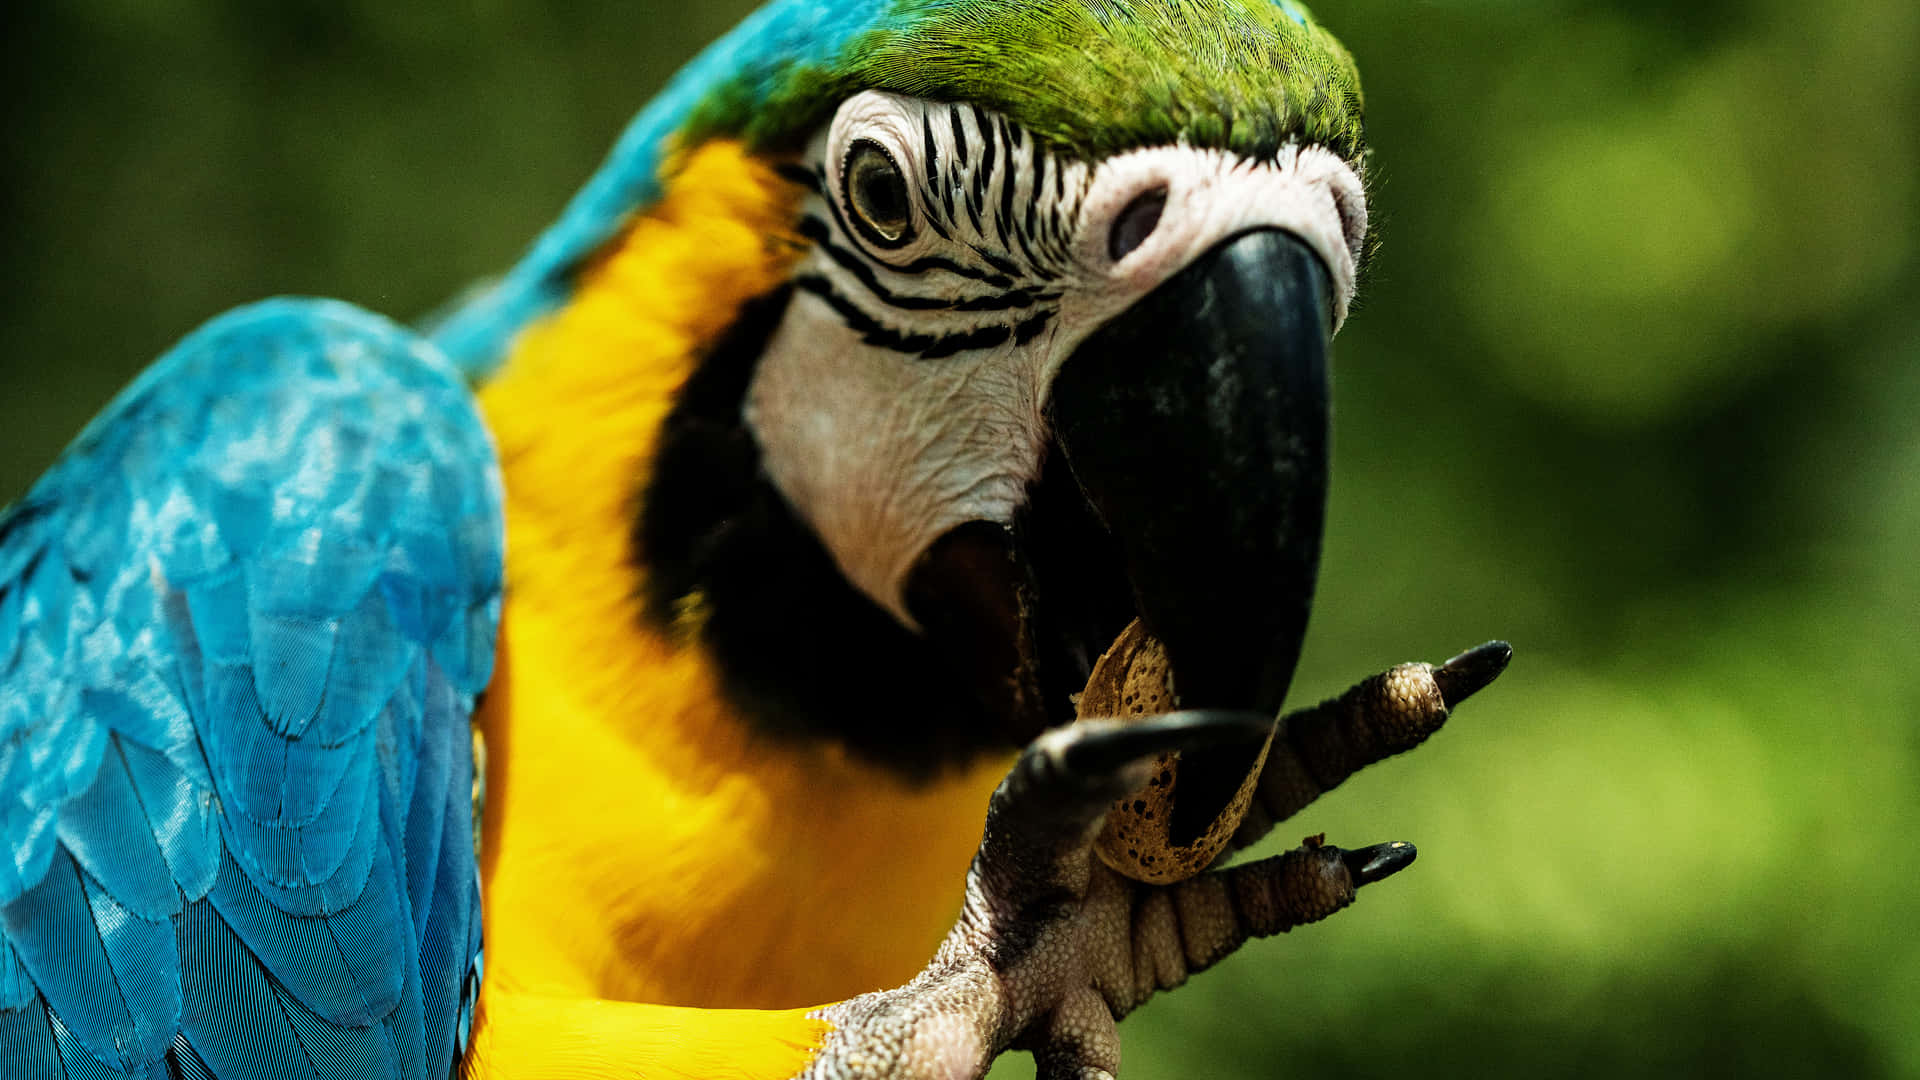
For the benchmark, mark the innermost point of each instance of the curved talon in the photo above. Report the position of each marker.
(1171, 932)
(1065, 782)
(1390, 713)
(1468, 673)
(1379, 862)
(1110, 750)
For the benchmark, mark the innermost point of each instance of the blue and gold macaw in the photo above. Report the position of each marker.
(733, 545)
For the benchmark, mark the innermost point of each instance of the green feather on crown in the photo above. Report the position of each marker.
(1092, 76)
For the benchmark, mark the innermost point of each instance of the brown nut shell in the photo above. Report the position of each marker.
(1131, 680)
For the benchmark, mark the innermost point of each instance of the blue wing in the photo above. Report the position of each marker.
(242, 626)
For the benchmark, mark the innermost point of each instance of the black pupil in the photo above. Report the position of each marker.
(879, 192)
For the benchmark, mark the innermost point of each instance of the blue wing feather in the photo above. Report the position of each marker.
(110, 976)
(185, 1063)
(180, 811)
(444, 827)
(107, 833)
(242, 625)
(27, 1044)
(16, 989)
(232, 1019)
(80, 1063)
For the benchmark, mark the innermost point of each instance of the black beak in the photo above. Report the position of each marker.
(1186, 486)
(1196, 427)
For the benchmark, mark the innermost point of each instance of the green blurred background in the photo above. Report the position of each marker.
(1635, 385)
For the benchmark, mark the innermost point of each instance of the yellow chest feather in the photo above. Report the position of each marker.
(641, 844)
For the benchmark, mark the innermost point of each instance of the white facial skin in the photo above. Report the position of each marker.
(897, 401)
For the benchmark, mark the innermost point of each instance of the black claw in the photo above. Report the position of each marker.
(1379, 862)
(1100, 755)
(1467, 674)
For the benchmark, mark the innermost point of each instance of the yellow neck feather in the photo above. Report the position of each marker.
(641, 843)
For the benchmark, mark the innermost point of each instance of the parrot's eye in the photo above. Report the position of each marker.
(876, 192)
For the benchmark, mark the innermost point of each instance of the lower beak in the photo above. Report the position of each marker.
(1196, 426)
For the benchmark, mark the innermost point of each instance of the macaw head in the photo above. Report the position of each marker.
(1053, 356)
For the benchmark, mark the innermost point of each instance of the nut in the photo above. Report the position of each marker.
(1133, 680)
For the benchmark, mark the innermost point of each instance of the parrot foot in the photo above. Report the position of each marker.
(1052, 947)
(1318, 748)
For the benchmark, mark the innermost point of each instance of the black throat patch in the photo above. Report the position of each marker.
(803, 655)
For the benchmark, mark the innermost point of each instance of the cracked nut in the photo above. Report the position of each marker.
(1132, 680)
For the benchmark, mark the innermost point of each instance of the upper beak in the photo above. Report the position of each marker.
(1191, 463)
(1196, 426)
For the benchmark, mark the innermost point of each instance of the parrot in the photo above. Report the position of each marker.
(662, 661)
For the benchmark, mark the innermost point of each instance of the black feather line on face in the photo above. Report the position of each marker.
(1038, 166)
(1006, 191)
(1030, 256)
(795, 173)
(985, 123)
(816, 230)
(920, 345)
(1031, 327)
(999, 262)
(780, 622)
(932, 151)
(935, 262)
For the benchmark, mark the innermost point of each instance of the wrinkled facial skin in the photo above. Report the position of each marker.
(957, 264)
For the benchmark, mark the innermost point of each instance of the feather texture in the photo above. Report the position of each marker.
(1091, 76)
(242, 625)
